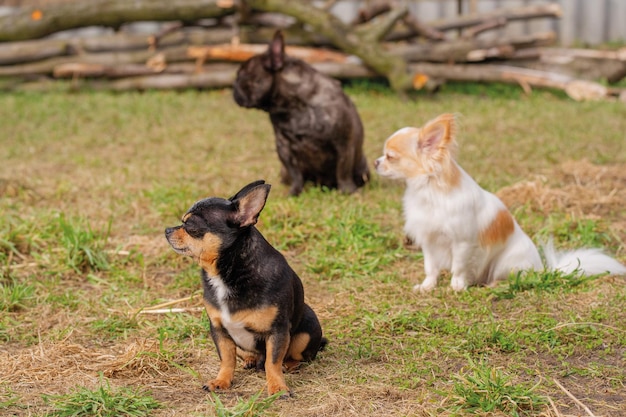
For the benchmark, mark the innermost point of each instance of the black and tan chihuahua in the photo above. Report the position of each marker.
(253, 298)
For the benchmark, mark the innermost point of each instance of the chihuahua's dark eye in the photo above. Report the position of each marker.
(191, 226)
(193, 231)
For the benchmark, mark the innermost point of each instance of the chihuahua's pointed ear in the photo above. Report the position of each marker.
(437, 135)
(277, 51)
(249, 202)
(246, 189)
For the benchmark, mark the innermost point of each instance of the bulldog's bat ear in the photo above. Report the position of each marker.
(277, 51)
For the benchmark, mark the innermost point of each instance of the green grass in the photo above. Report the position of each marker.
(540, 282)
(89, 182)
(102, 402)
(487, 389)
(255, 406)
(84, 247)
(14, 294)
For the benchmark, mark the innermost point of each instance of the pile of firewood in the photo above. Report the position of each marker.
(384, 41)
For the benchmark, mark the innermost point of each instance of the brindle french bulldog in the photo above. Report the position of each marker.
(319, 134)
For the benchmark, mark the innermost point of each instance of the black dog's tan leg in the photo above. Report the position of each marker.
(277, 346)
(250, 360)
(228, 359)
(299, 342)
(226, 350)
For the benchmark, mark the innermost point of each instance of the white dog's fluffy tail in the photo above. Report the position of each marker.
(585, 261)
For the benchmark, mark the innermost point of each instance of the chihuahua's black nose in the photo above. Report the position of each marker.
(169, 231)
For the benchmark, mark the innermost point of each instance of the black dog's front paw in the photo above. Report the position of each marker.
(348, 187)
(295, 189)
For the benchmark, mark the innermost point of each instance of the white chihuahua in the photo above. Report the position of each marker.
(460, 226)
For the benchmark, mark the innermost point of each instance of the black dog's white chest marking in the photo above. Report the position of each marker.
(236, 329)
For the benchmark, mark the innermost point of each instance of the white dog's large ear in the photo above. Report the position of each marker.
(437, 135)
(277, 51)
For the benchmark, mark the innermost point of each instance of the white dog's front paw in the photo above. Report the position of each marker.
(458, 284)
(424, 286)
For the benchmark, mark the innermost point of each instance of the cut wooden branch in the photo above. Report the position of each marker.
(494, 23)
(31, 22)
(579, 90)
(464, 50)
(520, 13)
(273, 20)
(78, 70)
(372, 11)
(86, 70)
(420, 29)
(174, 54)
(215, 76)
(345, 71)
(589, 64)
(375, 31)
(162, 37)
(435, 29)
(19, 52)
(22, 52)
(242, 52)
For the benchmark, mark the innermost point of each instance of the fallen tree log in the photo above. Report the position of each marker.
(588, 64)
(242, 52)
(26, 51)
(86, 70)
(47, 66)
(218, 76)
(477, 20)
(513, 14)
(36, 50)
(579, 90)
(31, 22)
(472, 50)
